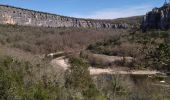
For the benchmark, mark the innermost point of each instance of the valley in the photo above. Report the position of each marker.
(47, 56)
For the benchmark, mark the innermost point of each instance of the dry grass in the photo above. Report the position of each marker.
(100, 60)
(41, 40)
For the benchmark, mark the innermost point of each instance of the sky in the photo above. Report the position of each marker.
(95, 9)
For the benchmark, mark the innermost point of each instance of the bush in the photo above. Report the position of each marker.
(79, 79)
(19, 80)
(150, 50)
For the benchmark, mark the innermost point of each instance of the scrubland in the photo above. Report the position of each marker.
(25, 76)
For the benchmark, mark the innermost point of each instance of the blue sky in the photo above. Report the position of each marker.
(97, 9)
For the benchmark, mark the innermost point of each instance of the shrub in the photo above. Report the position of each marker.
(20, 80)
(79, 77)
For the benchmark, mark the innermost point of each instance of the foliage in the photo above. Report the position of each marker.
(156, 49)
(18, 81)
(79, 78)
(150, 50)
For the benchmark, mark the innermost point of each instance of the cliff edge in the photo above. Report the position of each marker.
(20, 16)
(158, 18)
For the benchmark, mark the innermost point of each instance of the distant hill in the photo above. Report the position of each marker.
(20, 16)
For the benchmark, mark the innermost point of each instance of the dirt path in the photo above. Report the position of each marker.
(63, 63)
(98, 71)
(60, 62)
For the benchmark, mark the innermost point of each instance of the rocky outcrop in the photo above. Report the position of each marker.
(19, 16)
(158, 18)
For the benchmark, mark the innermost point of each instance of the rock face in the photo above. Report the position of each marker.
(158, 18)
(19, 16)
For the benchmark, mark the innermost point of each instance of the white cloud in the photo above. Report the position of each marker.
(116, 13)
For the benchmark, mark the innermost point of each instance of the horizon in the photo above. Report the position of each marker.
(111, 9)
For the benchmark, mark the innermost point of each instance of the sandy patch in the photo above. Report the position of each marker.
(98, 71)
(60, 62)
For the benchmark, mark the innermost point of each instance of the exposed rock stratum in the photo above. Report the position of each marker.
(20, 16)
(158, 18)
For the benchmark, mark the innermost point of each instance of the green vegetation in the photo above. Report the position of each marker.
(79, 76)
(155, 49)
(25, 80)
(150, 50)
(79, 79)
(20, 80)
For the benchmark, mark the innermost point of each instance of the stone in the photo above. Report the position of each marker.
(158, 18)
(20, 16)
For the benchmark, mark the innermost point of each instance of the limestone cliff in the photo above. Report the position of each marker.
(20, 16)
(158, 18)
